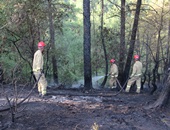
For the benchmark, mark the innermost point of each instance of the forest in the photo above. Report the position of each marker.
(81, 37)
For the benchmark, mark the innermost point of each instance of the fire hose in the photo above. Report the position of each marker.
(27, 96)
(122, 87)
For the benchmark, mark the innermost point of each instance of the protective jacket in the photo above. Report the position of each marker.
(37, 69)
(38, 61)
(114, 70)
(137, 69)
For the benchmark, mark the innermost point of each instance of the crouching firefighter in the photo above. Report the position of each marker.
(136, 75)
(38, 69)
(113, 74)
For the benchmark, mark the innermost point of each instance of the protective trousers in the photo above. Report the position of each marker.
(112, 82)
(42, 83)
(131, 81)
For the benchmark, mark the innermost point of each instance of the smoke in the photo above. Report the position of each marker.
(95, 83)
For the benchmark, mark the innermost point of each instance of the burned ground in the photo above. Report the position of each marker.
(77, 110)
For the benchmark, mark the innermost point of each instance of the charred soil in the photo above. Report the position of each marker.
(67, 109)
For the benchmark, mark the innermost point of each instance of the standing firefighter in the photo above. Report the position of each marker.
(113, 74)
(136, 75)
(38, 69)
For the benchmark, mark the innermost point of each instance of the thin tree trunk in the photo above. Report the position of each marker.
(94, 39)
(52, 42)
(168, 45)
(164, 96)
(104, 47)
(165, 93)
(87, 45)
(132, 41)
(156, 66)
(122, 43)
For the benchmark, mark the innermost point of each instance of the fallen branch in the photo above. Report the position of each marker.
(18, 104)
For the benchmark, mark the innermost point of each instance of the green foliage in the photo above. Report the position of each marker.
(67, 76)
(14, 67)
(25, 22)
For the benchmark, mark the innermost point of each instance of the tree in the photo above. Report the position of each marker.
(22, 33)
(165, 93)
(122, 41)
(103, 43)
(87, 45)
(52, 42)
(132, 41)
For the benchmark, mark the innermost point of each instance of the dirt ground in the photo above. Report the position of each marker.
(78, 110)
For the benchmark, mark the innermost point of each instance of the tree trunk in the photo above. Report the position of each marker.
(122, 43)
(155, 70)
(146, 72)
(157, 59)
(168, 45)
(164, 96)
(52, 42)
(165, 93)
(94, 39)
(132, 41)
(104, 47)
(87, 45)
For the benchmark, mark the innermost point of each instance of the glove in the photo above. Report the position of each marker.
(131, 75)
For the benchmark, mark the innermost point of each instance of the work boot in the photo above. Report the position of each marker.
(127, 89)
(45, 97)
(138, 90)
(113, 86)
(40, 95)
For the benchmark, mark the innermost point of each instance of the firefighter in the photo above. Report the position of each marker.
(136, 75)
(38, 69)
(113, 74)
